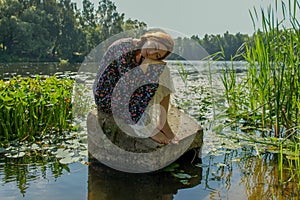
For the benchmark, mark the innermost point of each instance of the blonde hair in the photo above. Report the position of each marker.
(160, 37)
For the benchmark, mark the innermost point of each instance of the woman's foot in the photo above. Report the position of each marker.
(172, 137)
(161, 138)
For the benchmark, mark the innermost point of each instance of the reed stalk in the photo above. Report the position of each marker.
(271, 87)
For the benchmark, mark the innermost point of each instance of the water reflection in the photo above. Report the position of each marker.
(242, 174)
(232, 174)
(8, 70)
(262, 180)
(106, 183)
(22, 172)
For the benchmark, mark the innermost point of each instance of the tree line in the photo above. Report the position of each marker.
(49, 30)
(226, 47)
(52, 30)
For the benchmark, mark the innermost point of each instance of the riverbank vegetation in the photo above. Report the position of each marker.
(32, 107)
(268, 97)
(266, 102)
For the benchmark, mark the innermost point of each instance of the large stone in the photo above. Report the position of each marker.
(112, 147)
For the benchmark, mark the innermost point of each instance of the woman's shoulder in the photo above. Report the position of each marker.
(118, 48)
(122, 42)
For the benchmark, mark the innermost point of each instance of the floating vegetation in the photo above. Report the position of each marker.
(180, 174)
(26, 160)
(32, 107)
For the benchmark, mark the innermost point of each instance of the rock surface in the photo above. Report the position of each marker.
(120, 151)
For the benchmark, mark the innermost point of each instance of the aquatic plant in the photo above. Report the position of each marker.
(265, 104)
(31, 107)
(268, 97)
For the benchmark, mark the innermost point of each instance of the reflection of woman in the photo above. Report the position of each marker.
(120, 60)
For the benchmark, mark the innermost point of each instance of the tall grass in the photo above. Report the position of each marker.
(268, 99)
(30, 107)
(271, 88)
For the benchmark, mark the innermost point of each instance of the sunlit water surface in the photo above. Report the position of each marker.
(222, 169)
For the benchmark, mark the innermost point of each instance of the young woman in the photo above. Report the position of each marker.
(125, 90)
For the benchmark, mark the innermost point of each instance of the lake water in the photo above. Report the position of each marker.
(223, 170)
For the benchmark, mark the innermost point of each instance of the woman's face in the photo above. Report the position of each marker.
(153, 50)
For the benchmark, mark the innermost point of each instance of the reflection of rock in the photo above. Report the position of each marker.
(105, 183)
(130, 154)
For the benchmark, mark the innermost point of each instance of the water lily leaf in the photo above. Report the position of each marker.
(75, 159)
(218, 128)
(171, 167)
(236, 160)
(66, 160)
(35, 147)
(18, 155)
(221, 165)
(201, 165)
(185, 182)
(64, 153)
(182, 175)
(216, 153)
(83, 153)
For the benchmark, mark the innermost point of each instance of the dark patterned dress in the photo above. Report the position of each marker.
(120, 86)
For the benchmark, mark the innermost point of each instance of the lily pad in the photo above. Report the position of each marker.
(66, 160)
(235, 160)
(69, 160)
(171, 167)
(182, 176)
(221, 165)
(185, 182)
(18, 155)
(61, 153)
(201, 165)
(35, 147)
(83, 153)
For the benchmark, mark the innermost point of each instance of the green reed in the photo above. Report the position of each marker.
(289, 164)
(30, 107)
(271, 88)
(267, 99)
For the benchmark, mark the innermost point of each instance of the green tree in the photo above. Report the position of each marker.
(130, 24)
(33, 34)
(51, 29)
(9, 13)
(110, 20)
(71, 38)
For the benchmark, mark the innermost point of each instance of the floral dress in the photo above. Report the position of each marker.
(122, 88)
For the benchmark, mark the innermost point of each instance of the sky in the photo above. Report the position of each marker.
(193, 17)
